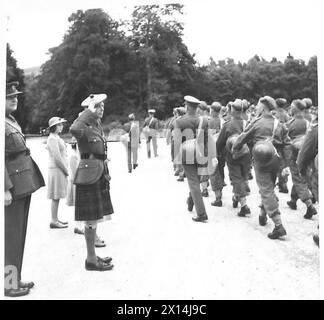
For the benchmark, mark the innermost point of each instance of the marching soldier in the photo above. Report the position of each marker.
(151, 125)
(22, 178)
(297, 129)
(190, 139)
(266, 160)
(216, 180)
(308, 157)
(238, 164)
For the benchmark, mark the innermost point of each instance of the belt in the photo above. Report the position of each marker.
(94, 155)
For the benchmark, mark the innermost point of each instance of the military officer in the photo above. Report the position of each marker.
(297, 128)
(192, 128)
(22, 178)
(151, 125)
(266, 160)
(238, 166)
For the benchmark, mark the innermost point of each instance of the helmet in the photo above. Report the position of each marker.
(263, 153)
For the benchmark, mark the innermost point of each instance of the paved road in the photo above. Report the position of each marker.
(160, 253)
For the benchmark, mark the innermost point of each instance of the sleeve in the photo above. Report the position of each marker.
(54, 150)
(244, 137)
(221, 140)
(8, 183)
(74, 162)
(286, 144)
(308, 151)
(78, 126)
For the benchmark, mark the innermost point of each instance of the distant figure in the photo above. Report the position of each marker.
(133, 143)
(57, 170)
(151, 125)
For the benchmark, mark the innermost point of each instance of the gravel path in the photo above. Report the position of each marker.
(159, 252)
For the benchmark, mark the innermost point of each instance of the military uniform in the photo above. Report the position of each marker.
(261, 130)
(153, 125)
(132, 129)
(188, 124)
(238, 168)
(22, 178)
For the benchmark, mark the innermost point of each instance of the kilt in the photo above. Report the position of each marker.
(92, 202)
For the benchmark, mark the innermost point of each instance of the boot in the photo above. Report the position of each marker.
(262, 220)
(311, 211)
(244, 211)
(201, 218)
(250, 176)
(278, 231)
(313, 200)
(316, 239)
(181, 179)
(235, 202)
(205, 193)
(217, 203)
(135, 166)
(283, 189)
(190, 204)
(292, 204)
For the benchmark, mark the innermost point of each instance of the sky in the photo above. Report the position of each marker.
(217, 29)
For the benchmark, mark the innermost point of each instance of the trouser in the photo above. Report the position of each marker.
(282, 180)
(191, 171)
(300, 188)
(221, 166)
(16, 219)
(148, 146)
(309, 177)
(266, 179)
(238, 173)
(131, 153)
(216, 180)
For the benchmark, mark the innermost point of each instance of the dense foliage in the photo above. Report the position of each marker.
(144, 63)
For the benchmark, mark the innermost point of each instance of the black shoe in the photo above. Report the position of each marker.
(283, 189)
(16, 292)
(262, 220)
(205, 193)
(277, 232)
(201, 218)
(316, 239)
(244, 211)
(292, 204)
(190, 204)
(28, 285)
(181, 179)
(311, 211)
(235, 202)
(99, 266)
(250, 176)
(217, 203)
(135, 166)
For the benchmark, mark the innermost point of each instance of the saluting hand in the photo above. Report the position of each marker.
(92, 104)
(7, 198)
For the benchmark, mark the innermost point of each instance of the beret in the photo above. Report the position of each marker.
(192, 99)
(300, 104)
(97, 97)
(269, 102)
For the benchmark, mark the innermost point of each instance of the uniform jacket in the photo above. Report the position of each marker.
(309, 149)
(261, 129)
(282, 115)
(154, 124)
(230, 127)
(91, 143)
(297, 126)
(22, 175)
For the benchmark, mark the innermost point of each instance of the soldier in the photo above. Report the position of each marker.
(308, 157)
(282, 116)
(151, 125)
(190, 139)
(169, 138)
(216, 180)
(134, 141)
(22, 178)
(266, 160)
(297, 128)
(238, 165)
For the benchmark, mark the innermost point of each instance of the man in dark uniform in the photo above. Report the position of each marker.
(297, 129)
(192, 128)
(263, 129)
(22, 178)
(238, 167)
(308, 157)
(151, 125)
(282, 116)
(216, 180)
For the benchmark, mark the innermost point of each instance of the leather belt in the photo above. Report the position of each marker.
(94, 155)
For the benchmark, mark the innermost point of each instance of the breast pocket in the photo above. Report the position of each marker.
(14, 142)
(96, 144)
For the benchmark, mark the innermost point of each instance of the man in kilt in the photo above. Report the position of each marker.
(92, 201)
